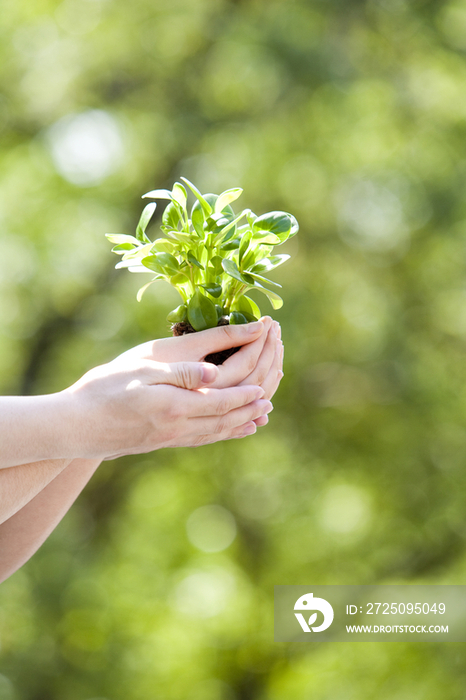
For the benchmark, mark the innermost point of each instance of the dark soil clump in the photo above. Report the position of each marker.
(216, 358)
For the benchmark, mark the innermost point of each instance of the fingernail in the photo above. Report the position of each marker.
(259, 393)
(250, 429)
(209, 373)
(253, 327)
(268, 407)
(281, 374)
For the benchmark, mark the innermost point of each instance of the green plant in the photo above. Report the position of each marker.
(213, 257)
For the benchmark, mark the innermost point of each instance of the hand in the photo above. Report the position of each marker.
(259, 360)
(131, 406)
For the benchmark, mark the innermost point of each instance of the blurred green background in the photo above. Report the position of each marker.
(351, 115)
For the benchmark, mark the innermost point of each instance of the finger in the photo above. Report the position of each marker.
(232, 419)
(195, 346)
(203, 402)
(266, 358)
(272, 381)
(228, 422)
(238, 367)
(186, 375)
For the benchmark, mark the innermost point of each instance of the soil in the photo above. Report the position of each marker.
(216, 358)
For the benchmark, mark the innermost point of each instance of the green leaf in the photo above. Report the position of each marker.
(275, 300)
(178, 315)
(294, 226)
(164, 263)
(244, 245)
(216, 263)
(267, 264)
(237, 318)
(228, 229)
(143, 289)
(248, 307)
(197, 219)
(158, 194)
(204, 203)
(161, 245)
(132, 264)
(123, 248)
(202, 313)
(121, 238)
(143, 222)
(194, 261)
(231, 268)
(180, 195)
(180, 236)
(255, 276)
(178, 280)
(171, 217)
(278, 223)
(269, 238)
(214, 290)
(137, 253)
(231, 245)
(227, 197)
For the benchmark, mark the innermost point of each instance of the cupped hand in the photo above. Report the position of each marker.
(259, 361)
(131, 406)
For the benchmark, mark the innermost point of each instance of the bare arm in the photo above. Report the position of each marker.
(24, 532)
(34, 497)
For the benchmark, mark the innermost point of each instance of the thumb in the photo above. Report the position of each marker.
(223, 337)
(190, 375)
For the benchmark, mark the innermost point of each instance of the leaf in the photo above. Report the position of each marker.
(143, 222)
(267, 264)
(248, 307)
(204, 203)
(131, 264)
(231, 245)
(180, 195)
(143, 289)
(158, 194)
(270, 238)
(161, 245)
(197, 219)
(244, 245)
(194, 261)
(202, 313)
(237, 318)
(227, 197)
(122, 248)
(181, 236)
(178, 280)
(216, 263)
(171, 217)
(229, 228)
(139, 252)
(214, 290)
(164, 263)
(121, 238)
(279, 223)
(275, 300)
(231, 268)
(255, 276)
(178, 315)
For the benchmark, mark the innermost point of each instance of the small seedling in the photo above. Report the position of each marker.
(212, 256)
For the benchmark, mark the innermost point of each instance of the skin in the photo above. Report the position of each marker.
(159, 394)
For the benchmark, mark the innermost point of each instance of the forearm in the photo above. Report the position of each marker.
(19, 485)
(37, 428)
(23, 533)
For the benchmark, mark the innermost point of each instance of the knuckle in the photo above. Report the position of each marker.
(223, 405)
(222, 424)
